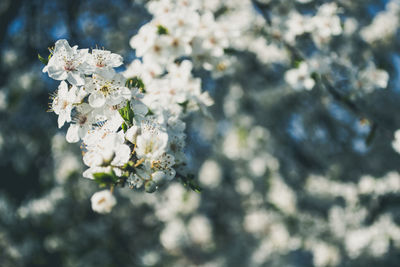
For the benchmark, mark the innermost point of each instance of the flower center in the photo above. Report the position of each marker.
(69, 65)
(105, 90)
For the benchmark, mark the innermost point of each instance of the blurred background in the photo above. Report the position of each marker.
(290, 178)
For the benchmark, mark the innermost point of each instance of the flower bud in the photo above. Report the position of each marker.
(150, 186)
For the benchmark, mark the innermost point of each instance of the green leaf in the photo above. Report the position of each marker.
(184, 105)
(44, 60)
(314, 75)
(124, 127)
(122, 181)
(190, 182)
(105, 179)
(229, 50)
(135, 82)
(162, 30)
(297, 63)
(195, 187)
(149, 112)
(127, 114)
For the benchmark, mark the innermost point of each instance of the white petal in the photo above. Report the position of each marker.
(140, 109)
(57, 73)
(61, 120)
(159, 177)
(72, 133)
(76, 78)
(115, 60)
(122, 155)
(97, 100)
(131, 134)
(62, 89)
(126, 93)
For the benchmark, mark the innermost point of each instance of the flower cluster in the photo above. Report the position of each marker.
(180, 29)
(326, 24)
(131, 124)
(322, 26)
(131, 133)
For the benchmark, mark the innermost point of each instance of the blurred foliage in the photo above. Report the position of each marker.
(255, 159)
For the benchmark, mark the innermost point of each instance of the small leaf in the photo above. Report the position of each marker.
(105, 179)
(127, 114)
(44, 60)
(190, 182)
(135, 82)
(124, 127)
(195, 187)
(149, 112)
(162, 30)
(297, 63)
(184, 105)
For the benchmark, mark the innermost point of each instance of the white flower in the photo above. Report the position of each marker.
(176, 140)
(102, 61)
(103, 201)
(372, 78)
(105, 147)
(144, 40)
(383, 26)
(104, 58)
(184, 23)
(83, 121)
(151, 143)
(135, 181)
(68, 63)
(326, 23)
(176, 46)
(160, 7)
(164, 164)
(300, 78)
(63, 103)
(296, 25)
(159, 51)
(213, 39)
(110, 91)
(146, 71)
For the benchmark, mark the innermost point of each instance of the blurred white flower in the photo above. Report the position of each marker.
(103, 201)
(282, 195)
(300, 78)
(383, 26)
(200, 230)
(210, 174)
(173, 235)
(396, 141)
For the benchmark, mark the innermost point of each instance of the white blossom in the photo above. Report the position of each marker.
(63, 103)
(68, 63)
(103, 201)
(107, 91)
(300, 78)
